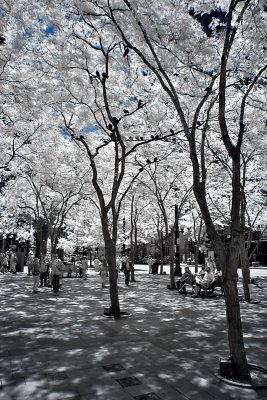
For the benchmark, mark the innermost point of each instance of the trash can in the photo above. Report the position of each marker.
(155, 268)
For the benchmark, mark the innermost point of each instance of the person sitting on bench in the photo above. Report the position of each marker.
(204, 282)
(187, 277)
(218, 278)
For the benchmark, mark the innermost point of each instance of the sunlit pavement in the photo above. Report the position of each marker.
(62, 347)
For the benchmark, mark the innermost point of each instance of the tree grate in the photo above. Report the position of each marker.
(130, 381)
(148, 396)
(113, 367)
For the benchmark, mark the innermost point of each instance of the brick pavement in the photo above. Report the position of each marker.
(61, 347)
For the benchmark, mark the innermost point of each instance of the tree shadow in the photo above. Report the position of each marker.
(56, 347)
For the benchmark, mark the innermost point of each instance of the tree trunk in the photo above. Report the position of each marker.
(235, 336)
(229, 264)
(110, 254)
(54, 242)
(196, 259)
(110, 250)
(41, 238)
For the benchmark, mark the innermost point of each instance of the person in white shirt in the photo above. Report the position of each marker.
(118, 265)
(97, 264)
(211, 264)
(35, 274)
(29, 262)
(55, 272)
(104, 272)
(204, 282)
(84, 263)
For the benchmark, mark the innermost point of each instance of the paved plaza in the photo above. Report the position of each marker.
(62, 347)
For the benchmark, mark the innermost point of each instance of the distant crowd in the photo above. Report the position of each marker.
(47, 271)
(8, 262)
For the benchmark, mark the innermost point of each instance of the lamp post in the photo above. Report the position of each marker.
(124, 238)
(177, 269)
(191, 252)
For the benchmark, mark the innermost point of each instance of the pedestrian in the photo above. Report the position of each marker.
(35, 274)
(29, 262)
(103, 272)
(118, 265)
(150, 263)
(43, 271)
(55, 272)
(4, 263)
(80, 269)
(8, 260)
(131, 264)
(84, 266)
(69, 270)
(97, 264)
(125, 267)
(1, 262)
(72, 267)
(13, 263)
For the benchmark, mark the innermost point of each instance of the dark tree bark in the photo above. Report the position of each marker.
(42, 235)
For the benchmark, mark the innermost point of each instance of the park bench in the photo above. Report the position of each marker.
(209, 291)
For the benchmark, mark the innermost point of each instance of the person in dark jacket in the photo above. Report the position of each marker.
(187, 277)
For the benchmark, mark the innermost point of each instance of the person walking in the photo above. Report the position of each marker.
(84, 265)
(43, 271)
(55, 272)
(72, 267)
(131, 264)
(97, 264)
(1, 262)
(4, 263)
(126, 268)
(103, 272)
(13, 263)
(35, 274)
(118, 265)
(29, 263)
(150, 263)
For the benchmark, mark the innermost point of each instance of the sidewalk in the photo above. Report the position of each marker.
(61, 347)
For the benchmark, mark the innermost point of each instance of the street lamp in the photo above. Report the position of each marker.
(124, 237)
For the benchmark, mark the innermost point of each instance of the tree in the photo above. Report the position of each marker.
(101, 109)
(211, 69)
(49, 189)
(165, 187)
